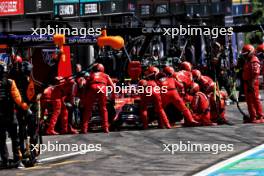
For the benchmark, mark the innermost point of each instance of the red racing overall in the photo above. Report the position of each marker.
(218, 110)
(54, 96)
(201, 109)
(251, 71)
(172, 96)
(96, 90)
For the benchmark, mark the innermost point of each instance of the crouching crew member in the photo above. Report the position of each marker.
(200, 106)
(172, 97)
(217, 106)
(216, 97)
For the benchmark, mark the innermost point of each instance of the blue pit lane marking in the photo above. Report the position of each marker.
(249, 163)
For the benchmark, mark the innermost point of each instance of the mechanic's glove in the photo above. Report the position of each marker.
(68, 104)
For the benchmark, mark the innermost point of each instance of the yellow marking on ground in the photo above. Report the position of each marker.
(19, 174)
(68, 162)
(36, 168)
(54, 165)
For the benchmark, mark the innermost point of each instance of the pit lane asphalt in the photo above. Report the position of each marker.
(141, 152)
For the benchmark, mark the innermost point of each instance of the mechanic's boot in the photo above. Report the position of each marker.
(164, 123)
(188, 119)
(106, 130)
(164, 119)
(51, 132)
(167, 123)
(168, 126)
(209, 124)
(84, 131)
(72, 130)
(206, 121)
(191, 124)
(253, 120)
(261, 120)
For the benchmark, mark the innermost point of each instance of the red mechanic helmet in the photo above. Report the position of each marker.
(260, 48)
(168, 70)
(186, 66)
(248, 50)
(98, 67)
(194, 88)
(151, 71)
(196, 74)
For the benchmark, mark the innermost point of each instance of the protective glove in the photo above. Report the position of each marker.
(68, 104)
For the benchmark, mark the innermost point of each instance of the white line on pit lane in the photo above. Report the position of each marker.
(63, 156)
(222, 164)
